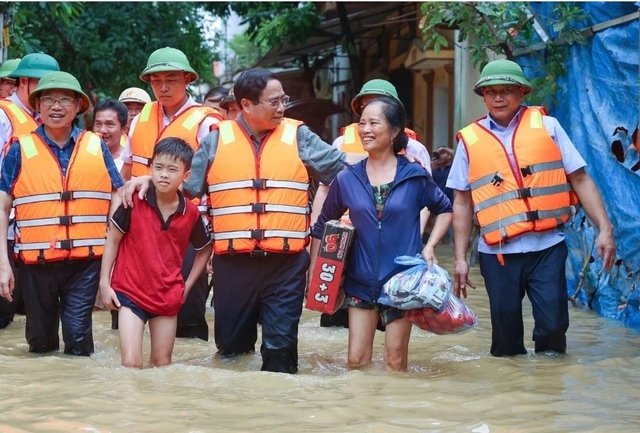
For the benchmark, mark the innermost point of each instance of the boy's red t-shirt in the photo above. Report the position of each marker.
(148, 265)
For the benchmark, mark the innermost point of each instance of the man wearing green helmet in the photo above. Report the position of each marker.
(7, 85)
(517, 173)
(62, 182)
(174, 113)
(18, 118)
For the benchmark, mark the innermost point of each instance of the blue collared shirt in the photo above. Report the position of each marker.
(13, 160)
(459, 179)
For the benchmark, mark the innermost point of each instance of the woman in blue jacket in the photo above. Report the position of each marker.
(384, 194)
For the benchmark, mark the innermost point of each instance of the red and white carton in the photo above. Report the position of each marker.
(325, 292)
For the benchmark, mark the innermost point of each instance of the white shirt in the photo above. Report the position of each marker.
(203, 129)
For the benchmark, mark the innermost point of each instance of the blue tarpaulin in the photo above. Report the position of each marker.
(598, 107)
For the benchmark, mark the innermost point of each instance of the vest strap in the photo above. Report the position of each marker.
(258, 184)
(65, 244)
(61, 196)
(495, 178)
(141, 160)
(259, 234)
(65, 220)
(18, 112)
(522, 193)
(203, 209)
(543, 166)
(259, 208)
(527, 216)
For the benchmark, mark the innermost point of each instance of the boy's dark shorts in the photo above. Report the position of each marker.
(125, 301)
(387, 314)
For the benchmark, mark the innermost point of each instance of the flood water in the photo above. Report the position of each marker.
(453, 384)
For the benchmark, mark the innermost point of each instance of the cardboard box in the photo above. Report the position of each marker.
(325, 292)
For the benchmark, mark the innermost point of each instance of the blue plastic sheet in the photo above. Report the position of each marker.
(599, 110)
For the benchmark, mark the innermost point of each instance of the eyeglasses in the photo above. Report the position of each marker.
(65, 101)
(504, 93)
(273, 103)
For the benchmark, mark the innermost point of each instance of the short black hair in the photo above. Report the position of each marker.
(251, 83)
(219, 91)
(176, 148)
(112, 104)
(396, 116)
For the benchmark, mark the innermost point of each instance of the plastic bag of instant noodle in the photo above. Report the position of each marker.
(416, 286)
(454, 318)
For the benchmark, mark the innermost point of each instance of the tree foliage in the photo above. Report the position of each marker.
(106, 44)
(273, 23)
(510, 29)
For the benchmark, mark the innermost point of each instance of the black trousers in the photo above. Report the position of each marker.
(191, 317)
(60, 292)
(539, 274)
(9, 309)
(270, 288)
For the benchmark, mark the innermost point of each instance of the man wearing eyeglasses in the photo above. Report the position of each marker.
(62, 182)
(256, 170)
(518, 173)
(174, 114)
(18, 118)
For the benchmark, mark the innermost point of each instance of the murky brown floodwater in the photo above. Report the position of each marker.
(453, 385)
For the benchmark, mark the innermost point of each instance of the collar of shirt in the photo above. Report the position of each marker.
(255, 138)
(75, 131)
(14, 98)
(190, 103)
(152, 200)
(495, 127)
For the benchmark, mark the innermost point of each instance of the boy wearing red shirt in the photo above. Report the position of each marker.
(144, 249)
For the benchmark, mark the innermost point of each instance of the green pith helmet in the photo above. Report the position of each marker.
(500, 73)
(374, 87)
(60, 80)
(35, 65)
(8, 67)
(167, 59)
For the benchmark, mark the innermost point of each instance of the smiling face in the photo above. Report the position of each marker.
(503, 102)
(374, 129)
(168, 173)
(106, 124)
(267, 112)
(58, 107)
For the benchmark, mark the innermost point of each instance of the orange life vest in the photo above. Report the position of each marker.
(61, 217)
(507, 202)
(352, 142)
(149, 131)
(258, 200)
(22, 123)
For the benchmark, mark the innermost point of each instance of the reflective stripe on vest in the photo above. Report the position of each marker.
(148, 131)
(258, 201)
(508, 202)
(259, 208)
(61, 217)
(258, 184)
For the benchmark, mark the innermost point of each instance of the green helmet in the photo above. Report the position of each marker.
(231, 97)
(167, 60)
(60, 80)
(374, 87)
(8, 67)
(35, 65)
(502, 72)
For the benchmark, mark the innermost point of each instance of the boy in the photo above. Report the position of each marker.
(147, 243)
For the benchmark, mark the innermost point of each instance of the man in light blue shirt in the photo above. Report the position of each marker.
(520, 252)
